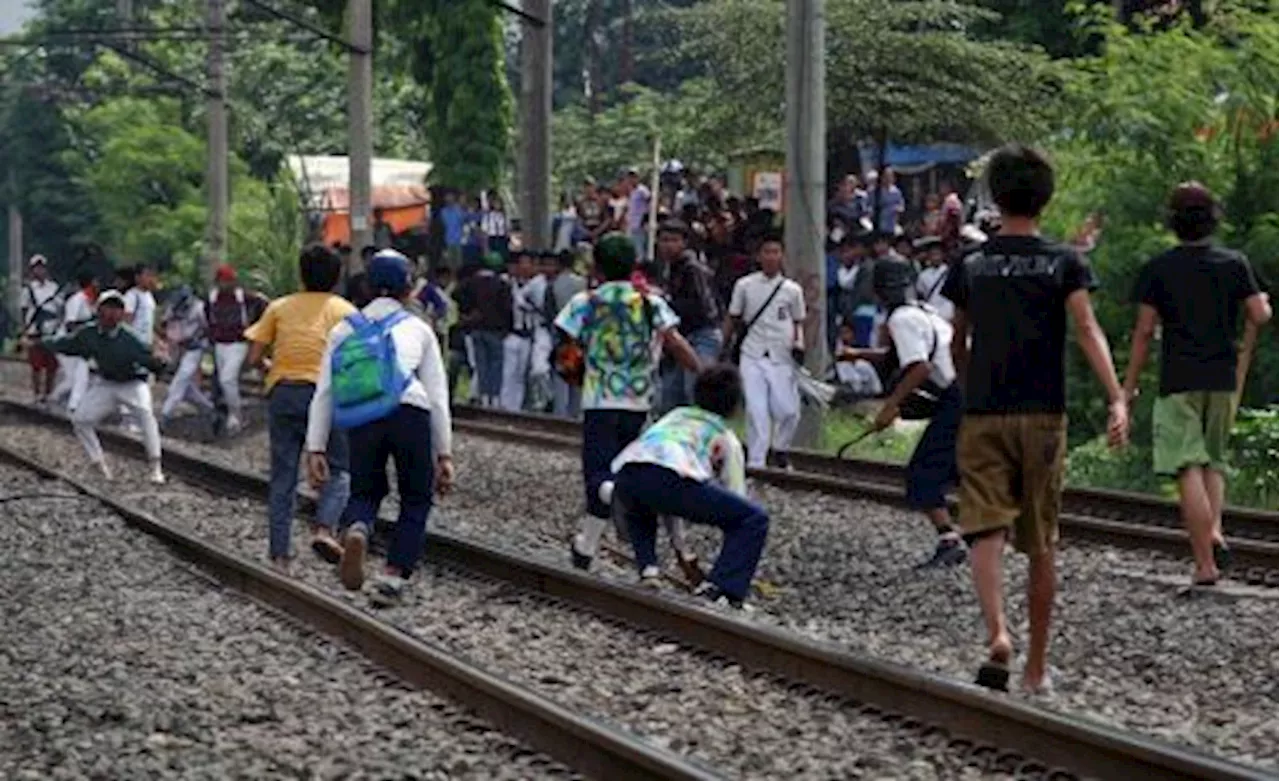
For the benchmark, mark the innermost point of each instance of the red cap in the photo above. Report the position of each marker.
(225, 273)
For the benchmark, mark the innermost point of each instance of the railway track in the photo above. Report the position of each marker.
(994, 733)
(1119, 518)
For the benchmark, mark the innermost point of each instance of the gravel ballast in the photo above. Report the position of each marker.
(1129, 650)
(740, 724)
(119, 661)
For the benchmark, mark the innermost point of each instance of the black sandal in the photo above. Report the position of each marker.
(327, 548)
(1221, 557)
(994, 675)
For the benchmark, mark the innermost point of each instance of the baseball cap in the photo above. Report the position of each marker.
(388, 270)
(225, 273)
(112, 297)
(37, 260)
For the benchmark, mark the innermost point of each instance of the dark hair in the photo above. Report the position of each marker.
(1194, 213)
(615, 257)
(1021, 180)
(128, 276)
(677, 227)
(141, 269)
(358, 292)
(770, 236)
(320, 267)
(565, 258)
(85, 277)
(368, 251)
(718, 389)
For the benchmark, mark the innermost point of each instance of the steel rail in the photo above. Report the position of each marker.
(596, 749)
(1256, 559)
(991, 725)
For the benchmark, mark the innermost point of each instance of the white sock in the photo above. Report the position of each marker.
(587, 540)
(606, 492)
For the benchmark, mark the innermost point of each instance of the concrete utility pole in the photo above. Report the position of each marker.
(216, 227)
(806, 218)
(17, 264)
(535, 122)
(360, 126)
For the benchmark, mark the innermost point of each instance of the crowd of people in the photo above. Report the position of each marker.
(659, 354)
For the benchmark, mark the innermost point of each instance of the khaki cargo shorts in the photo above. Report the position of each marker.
(1011, 476)
(1191, 429)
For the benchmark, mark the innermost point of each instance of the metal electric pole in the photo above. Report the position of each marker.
(535, 123)
(806, 179)
(360, 126)
(216, 227)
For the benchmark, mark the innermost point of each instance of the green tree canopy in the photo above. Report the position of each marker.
(916, 69)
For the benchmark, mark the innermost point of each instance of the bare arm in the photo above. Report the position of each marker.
(1139, 344)
(681, 350)
(257, 351)
(1257, 309)
(1093, 341)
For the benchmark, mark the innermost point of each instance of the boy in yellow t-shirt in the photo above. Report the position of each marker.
(296, 329)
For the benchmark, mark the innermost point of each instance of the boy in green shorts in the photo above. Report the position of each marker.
(1195, 292)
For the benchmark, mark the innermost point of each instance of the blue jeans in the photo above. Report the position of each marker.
(649, 490)
(287, 432)
(677, 382)
(566, 399)
(605, 432)
(488, 348)
(405, 436)
(932, 470)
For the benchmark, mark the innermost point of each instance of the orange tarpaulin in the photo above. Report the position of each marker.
(403, 206)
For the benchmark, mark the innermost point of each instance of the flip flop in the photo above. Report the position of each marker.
(327, 548)
(1221, 556)
(994, 675)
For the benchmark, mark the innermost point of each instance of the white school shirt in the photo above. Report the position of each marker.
(774, 333)
(78, 312)
(921, 334)
(929, 290)
(417, 352)
(44, 296)
(527, 300)
(142, 305)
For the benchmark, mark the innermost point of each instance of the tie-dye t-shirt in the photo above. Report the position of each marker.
(620, 336)
(693, 443)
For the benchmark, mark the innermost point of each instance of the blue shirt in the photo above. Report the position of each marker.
(453, 219)
(890, 201)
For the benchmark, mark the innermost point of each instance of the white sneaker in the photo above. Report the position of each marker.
(651, 577)
(234, 425)
(157, 475)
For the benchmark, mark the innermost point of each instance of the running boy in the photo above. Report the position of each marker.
(119, 363)
(1013, 294)
(672, 470)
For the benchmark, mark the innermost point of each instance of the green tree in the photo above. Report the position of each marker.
(915, 69)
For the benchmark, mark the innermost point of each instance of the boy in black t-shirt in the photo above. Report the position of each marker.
(1195, 291)
(1013, 294)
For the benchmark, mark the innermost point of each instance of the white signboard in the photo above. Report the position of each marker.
(767, 189)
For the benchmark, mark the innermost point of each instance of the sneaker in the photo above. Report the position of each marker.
(156, 477)
(713, 594)
(651, 577)
(580, 561)
(950, 552)
(388, 590)
(351, 564)
(233, 426)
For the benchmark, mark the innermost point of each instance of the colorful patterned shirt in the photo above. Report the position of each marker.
(620, 331)
(693, 443)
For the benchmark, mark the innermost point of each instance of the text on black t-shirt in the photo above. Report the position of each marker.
(1013, 290)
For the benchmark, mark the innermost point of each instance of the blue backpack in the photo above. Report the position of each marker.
(366, 378)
